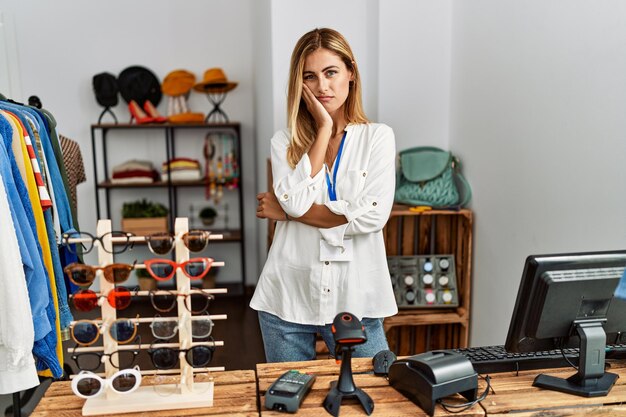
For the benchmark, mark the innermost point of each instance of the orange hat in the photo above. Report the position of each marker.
(214, 81)
(178, 82)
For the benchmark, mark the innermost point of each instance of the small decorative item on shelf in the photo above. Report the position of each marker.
(215, 85)
(143, 217)
(207, 215)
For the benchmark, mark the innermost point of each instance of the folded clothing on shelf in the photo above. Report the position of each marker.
(181, 169)
(178, 164)
(134, 172)
(183, 175)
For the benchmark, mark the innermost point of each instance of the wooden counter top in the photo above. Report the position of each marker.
(234, 395)
(387, 401)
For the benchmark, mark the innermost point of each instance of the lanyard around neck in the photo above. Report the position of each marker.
(332, 191)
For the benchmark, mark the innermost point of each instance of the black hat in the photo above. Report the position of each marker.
(106, 89)
(139, 84)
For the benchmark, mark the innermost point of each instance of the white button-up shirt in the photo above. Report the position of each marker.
(294, 284)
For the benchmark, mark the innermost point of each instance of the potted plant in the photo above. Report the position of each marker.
(207, 215)
(143, 217)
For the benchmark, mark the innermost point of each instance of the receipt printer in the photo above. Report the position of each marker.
(426, 377)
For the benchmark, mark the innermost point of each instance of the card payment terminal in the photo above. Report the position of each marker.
(288, 391)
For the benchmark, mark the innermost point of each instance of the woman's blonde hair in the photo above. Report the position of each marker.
(300, 122)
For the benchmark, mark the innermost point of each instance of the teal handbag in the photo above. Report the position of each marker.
(429, 176)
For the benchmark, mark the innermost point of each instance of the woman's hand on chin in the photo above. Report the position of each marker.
(320, 114)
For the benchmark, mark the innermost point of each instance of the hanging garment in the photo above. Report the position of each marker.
(55, 141)
(75, 168)
(52, 231)
(63, 314)
(73, 161)
(18, 132)
(51, 125)
(63, 210)
(62, 221)
(17, 333)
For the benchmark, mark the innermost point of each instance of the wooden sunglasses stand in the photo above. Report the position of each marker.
(187, 393)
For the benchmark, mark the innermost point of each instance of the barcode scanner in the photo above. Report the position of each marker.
(347, 332)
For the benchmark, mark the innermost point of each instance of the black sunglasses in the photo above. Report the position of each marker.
(164, 301)
(84, 242)
(120, 359)
(167, 358)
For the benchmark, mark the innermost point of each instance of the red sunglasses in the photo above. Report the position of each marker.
(164, 269)
(86, 300)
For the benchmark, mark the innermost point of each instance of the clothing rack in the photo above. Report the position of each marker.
(22, 397)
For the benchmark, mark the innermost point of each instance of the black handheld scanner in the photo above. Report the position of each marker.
(347, 331)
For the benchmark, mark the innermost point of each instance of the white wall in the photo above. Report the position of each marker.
(62, 44)
(9, 68)
(414, 70)
(538, 117)
(263, 111)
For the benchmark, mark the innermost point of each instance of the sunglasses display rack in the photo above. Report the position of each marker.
(186, 393)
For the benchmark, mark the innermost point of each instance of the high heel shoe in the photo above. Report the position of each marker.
(139, 115)
(153, 112)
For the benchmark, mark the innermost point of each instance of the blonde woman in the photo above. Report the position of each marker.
(334, 181)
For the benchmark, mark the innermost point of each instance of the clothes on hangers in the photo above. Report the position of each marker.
(35, 180)
(47, 226)
(37, 279)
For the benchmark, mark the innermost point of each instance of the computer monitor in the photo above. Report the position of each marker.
(566, 300)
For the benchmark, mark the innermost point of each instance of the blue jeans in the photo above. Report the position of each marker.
(291, 342)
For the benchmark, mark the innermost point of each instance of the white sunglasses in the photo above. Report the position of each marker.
(89, 385)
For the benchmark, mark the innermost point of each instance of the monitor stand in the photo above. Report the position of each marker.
(591, 380)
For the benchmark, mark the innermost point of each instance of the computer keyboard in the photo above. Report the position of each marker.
(494, 359)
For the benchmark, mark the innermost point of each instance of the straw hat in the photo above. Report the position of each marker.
(214, 81)
(178, 82)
